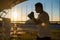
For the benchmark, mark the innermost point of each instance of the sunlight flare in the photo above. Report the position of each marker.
(14, 15)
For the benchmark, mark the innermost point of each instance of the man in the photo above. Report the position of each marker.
(42, 21)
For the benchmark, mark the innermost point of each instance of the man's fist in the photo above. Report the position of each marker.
(31, 15)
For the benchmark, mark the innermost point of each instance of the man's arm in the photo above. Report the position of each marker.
(35, 21)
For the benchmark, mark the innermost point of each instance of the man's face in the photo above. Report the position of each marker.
(38, 9)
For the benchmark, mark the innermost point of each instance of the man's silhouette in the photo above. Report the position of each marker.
(42, 21)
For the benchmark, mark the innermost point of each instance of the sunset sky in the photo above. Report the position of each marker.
(21, 10)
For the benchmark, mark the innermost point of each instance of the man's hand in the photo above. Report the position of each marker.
(31, 15)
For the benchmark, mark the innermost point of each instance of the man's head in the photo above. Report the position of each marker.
(38, 7)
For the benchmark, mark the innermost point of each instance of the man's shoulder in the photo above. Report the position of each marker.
(45, 13)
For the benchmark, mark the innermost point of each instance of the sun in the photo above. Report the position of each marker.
(14, 16)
